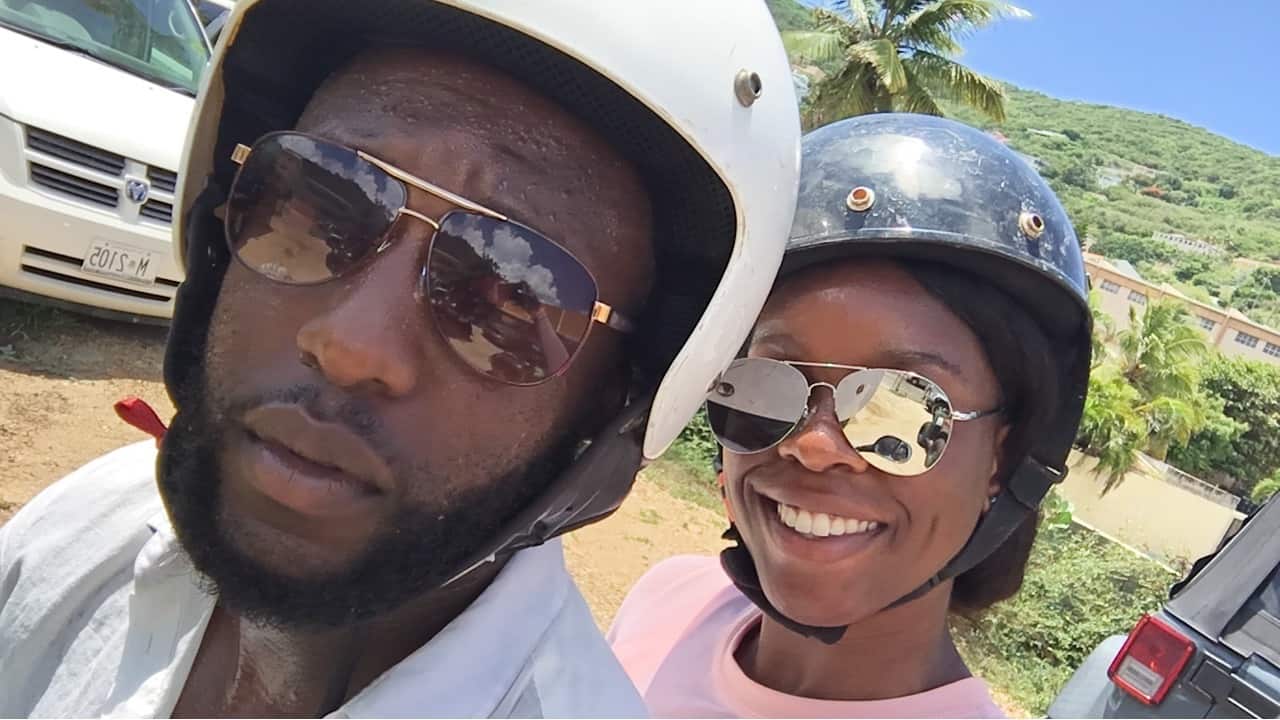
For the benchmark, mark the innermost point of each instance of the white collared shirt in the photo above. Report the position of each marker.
(101, 615)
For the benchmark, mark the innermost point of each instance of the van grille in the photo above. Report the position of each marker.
(75, 186)
(157, 210)
(163, 180)
(96, 177)
(74, 151)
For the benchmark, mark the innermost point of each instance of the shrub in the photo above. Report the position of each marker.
(696, 447)
(1080, 589)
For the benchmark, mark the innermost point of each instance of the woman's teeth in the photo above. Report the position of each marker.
(822, 524)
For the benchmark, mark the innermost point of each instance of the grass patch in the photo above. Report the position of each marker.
(685, 471)
(23, 321)
(650, 516)
(685, 482)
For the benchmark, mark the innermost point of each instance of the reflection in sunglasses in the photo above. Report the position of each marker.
(509, 301)
(885, 414)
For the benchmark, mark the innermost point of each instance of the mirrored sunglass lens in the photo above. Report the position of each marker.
(755, 403)
(898, 421)
(303, 211)
(510, 302)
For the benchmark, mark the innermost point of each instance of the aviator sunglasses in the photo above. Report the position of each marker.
(509, 301)
(899, 422)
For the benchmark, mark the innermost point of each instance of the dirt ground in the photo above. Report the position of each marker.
(59, 378)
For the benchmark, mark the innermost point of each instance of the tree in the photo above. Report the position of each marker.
(1263, 491)
(1134, 249)
(1189, 265)
(1111, 427)
(1104, 330)
(1260, 291)
(1150, 397)
(1161, 352)
(1172, 420)
(1082, 174)
(1250, 391)
(896, 55)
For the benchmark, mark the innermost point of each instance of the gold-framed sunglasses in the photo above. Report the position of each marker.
(509, 301)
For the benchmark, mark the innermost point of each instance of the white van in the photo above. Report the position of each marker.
(95, 97)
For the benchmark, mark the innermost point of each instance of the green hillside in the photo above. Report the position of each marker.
(1132, 173)
(790, 15)
(1124, 175)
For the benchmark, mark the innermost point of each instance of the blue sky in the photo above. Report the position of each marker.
(1212, 64)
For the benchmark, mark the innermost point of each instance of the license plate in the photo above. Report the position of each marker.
(120, 261)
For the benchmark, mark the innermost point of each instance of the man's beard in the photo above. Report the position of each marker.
(419, 549)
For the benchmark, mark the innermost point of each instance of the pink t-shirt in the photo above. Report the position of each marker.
(676, 634)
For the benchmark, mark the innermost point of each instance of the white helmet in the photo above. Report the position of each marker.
(697, 95)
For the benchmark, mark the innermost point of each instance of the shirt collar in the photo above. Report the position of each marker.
(468, 668)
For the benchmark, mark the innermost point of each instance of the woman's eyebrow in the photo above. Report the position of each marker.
(895, 358)
(915, 358)
(779, 341)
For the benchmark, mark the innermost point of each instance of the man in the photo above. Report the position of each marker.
(348, 513)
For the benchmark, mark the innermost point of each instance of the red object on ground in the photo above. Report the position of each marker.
(139, 414)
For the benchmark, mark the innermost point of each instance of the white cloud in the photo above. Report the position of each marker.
(514, 257)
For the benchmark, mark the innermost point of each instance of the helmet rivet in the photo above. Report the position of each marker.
(747, 86)
(861, 199)
(1031, 224)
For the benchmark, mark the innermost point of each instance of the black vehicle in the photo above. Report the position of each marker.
(1213, 650)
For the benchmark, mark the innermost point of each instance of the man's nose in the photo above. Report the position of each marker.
(369, 335)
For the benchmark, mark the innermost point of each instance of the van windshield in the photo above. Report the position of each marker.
(160, 40)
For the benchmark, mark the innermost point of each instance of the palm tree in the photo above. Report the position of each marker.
(1161, 352)
(1148, 395)
(896, 55)
(1104, 330)
(1172, 420)
(1111, 428)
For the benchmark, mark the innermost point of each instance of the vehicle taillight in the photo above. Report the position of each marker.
(1151, 660)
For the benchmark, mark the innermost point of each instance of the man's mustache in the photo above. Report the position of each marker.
(353, 413)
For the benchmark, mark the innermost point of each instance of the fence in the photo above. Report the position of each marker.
(1190, 483)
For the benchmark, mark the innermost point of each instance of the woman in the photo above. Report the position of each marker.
(908, 395)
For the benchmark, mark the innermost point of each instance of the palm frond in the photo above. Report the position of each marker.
(956, 14)
(938, 25)
(813, 45)
(828, 21)
(917, 98)
(860, 13)
(949, 79)
(903, 8)
(848, 93)
(882, 55)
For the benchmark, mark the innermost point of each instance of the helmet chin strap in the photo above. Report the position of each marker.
(589, 489)
(1019, 500)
